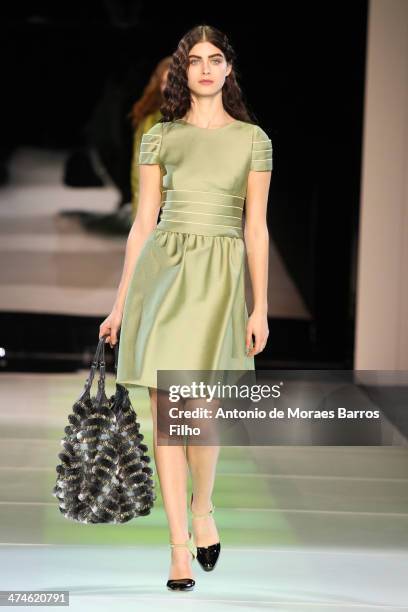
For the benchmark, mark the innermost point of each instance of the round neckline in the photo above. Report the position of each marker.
(208, 129)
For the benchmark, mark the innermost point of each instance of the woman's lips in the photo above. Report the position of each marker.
(206, 82)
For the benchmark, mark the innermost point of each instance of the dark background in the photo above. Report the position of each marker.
(70, 74)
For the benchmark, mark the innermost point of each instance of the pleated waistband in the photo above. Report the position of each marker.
(201, 212)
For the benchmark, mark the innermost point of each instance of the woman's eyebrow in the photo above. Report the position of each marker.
(213, 55)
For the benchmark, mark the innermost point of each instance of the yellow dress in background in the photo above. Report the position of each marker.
(143, 127)
(185, 306)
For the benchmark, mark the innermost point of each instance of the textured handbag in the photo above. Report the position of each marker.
(104, 474)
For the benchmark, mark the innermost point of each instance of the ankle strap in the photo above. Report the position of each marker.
(187, 544)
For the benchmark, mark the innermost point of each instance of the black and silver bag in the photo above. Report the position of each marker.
(104, 475)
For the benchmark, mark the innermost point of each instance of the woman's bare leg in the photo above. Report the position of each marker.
(172, 470)
(202, 462)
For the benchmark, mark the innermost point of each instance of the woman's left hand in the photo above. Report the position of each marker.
(257, 326)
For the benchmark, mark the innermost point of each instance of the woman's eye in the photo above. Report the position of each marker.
(217, 61)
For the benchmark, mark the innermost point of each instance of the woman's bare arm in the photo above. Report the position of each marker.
(149, 203)
(145, 221)
(257, 247)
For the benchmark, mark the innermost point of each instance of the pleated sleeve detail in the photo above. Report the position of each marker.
(150, 145)
(261, 157)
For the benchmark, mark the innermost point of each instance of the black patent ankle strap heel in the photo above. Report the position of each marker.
(183, 584)
(207, 556)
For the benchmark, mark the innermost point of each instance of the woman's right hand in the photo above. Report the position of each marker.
(110, 327)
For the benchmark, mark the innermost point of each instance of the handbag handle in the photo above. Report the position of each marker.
(102, 370)
(99, 360)
(95, 362)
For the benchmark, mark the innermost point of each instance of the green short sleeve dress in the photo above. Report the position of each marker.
(185, 306)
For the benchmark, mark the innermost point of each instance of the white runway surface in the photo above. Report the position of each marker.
(133, 578)
(303, 528)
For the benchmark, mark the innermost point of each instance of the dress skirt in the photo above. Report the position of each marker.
(185, 308)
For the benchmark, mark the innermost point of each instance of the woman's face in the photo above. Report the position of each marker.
(206, 63)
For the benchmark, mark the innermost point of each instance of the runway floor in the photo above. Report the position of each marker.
(302, 528)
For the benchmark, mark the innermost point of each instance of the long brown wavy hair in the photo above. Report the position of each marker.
(176, 95)
(152, 97)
